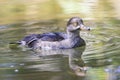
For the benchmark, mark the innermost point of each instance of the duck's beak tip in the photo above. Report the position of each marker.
(88, 29)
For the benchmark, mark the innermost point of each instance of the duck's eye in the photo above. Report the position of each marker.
(75, 24)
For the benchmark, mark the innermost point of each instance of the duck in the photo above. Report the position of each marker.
(58, 40)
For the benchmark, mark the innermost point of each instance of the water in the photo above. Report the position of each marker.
(98, 60)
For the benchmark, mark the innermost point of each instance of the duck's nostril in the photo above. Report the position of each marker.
(89, 29)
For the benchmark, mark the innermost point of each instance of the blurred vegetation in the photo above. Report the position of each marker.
(26, 10)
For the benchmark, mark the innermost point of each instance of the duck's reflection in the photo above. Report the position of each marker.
(75, 62)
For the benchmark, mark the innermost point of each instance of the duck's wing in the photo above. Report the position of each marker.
(31, 39)
(56, 36)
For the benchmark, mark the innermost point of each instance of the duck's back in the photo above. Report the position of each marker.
(56, 36)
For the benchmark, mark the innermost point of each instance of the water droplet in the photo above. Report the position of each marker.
(22, 64)
(12, 66)
(109, 60)
(16, 70)
(107, 70)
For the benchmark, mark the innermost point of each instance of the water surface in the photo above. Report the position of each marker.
(98, 60)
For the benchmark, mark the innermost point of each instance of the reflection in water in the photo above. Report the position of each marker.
(20, 11)
(113, 72)
(45, 65)
(74, 59)
(49, 65)
(102, 50)
(84, 7)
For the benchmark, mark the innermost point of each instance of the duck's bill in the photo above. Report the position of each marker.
(82, 27)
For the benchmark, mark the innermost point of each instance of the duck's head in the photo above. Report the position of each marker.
(76, 23)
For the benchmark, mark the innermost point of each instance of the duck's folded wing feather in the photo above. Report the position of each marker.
(56, 36)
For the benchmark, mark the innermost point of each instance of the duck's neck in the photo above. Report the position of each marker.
(73, 35)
